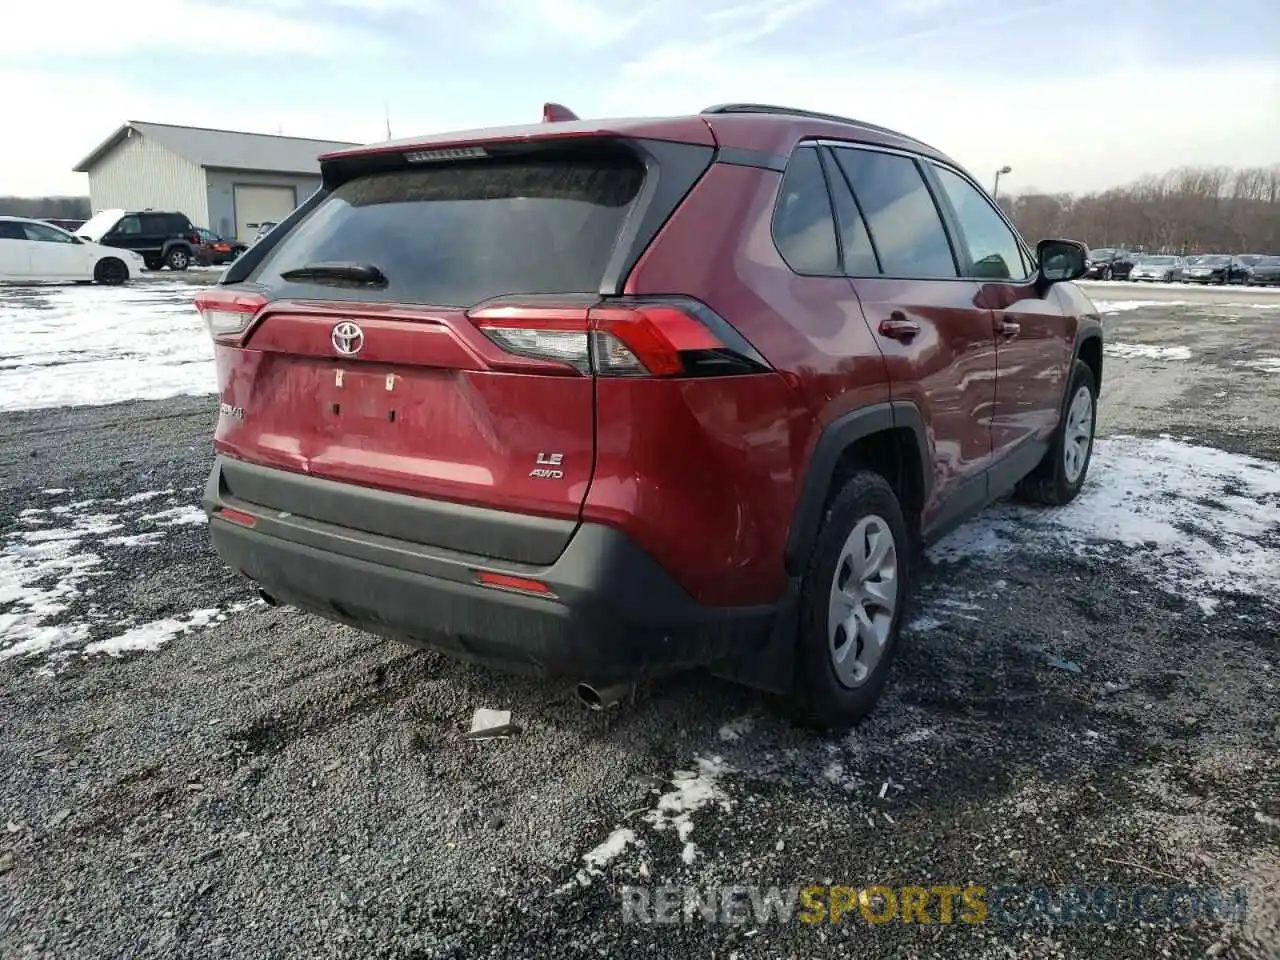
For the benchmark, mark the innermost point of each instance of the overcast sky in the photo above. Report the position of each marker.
(1072, 95)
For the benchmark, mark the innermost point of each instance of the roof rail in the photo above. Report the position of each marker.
(773, 109)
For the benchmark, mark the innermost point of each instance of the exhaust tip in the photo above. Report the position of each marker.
(267, 598)
(590, 696)
(600, 698)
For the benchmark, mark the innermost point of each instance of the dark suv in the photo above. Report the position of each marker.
(604, 399)
(163, 239)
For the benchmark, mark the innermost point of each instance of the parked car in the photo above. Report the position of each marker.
(1157, 268)
(1208, 268)
(1265, 273)
(1241, 266)
(71, 226)
(32, 251)
(217, 250)
(1109, 263)
(163, 239)
(608, 399)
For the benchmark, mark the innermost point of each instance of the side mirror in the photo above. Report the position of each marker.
(1060, 260)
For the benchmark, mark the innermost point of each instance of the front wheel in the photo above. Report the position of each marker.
(852, 601)
(177, 259)
(110, 272)
(1061, 473)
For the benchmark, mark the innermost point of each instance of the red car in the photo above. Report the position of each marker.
(605, 399)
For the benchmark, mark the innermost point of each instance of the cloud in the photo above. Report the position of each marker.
(61, 123)
(89, 27)
(1042, 123)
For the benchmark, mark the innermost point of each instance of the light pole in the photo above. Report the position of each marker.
(995, 191)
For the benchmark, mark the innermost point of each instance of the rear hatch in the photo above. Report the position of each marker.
(422, 329)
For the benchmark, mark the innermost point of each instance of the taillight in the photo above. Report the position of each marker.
(226, 313)
(671, 337)
(195, 238)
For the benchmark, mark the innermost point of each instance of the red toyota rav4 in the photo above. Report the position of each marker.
(606, 399)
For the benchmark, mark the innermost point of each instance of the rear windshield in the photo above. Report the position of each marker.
(463, 234)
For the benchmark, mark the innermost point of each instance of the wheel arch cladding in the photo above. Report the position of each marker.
(1089, 351)
(889, 438)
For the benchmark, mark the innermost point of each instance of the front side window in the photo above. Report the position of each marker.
(901, 216)
(42, 234)
(803, 228)
(993, 248)
(128, 227)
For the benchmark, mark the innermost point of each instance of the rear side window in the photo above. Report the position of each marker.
(803, 229)
(11, 230)
(463, 234)
(855, 243)
(901, 216)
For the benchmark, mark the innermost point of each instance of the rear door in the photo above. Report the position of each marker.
(15, 251)
(1034, 339)
(394, 384)
(937, 342)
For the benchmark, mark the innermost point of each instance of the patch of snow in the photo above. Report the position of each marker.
(737, 729)
(154, 635)
(1195, 519)
(924, 623)
(1124, 306)
(144, 496)
(135, 540)
(69, 346)
(177, 516)
(1264, 364)
(1146, 351)
(55, 491)
(26, 570)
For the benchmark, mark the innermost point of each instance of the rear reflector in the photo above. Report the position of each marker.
(623, 338)
(238, 516)
(522, 584)
(227, 314)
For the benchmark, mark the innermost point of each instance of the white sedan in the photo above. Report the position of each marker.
(32, 251)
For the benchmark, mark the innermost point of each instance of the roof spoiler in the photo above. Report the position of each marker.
(557, 113)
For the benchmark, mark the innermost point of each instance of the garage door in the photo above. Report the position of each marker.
(257, 205)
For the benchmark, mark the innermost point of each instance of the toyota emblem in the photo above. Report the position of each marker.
(347, 338)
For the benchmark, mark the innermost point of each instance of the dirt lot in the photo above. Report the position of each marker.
(1084, 697)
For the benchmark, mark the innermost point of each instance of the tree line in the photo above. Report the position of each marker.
(1187, 210)
(45, 208)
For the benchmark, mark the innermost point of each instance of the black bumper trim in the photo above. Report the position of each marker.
(616, 613)
(494, 533)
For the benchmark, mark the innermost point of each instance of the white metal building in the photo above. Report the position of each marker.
(221, 179)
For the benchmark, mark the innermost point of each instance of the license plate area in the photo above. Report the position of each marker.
(366, 395)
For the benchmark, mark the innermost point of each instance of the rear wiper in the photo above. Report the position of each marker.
(339, 272)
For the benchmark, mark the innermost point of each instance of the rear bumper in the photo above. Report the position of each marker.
(613, 613)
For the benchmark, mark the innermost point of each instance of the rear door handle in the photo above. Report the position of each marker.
(1007, 328)
(899, 328)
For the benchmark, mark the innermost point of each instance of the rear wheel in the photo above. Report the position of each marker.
(1061, 473)
(178, 258)
(851, 607)
(110, 272)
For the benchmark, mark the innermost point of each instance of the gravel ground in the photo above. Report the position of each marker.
(188, 773)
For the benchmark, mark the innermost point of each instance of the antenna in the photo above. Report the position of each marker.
(386, 112)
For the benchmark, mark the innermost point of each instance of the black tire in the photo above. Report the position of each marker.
(178, 258)
(819, 699)
(1048, 483)
(110, 272)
